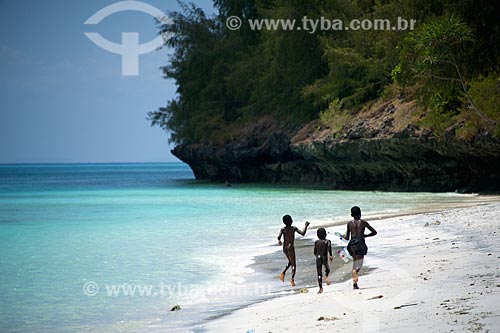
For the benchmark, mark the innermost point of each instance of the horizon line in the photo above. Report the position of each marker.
(87, 163)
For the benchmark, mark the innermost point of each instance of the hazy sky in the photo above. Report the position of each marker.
(64, 99)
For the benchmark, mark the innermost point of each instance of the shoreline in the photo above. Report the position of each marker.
(267, 277)
(268, 315)
(482, 200)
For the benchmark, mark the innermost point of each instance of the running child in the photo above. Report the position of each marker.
(288, 232)
(323, 252)
(357, 247)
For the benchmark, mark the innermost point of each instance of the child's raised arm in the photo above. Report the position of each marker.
(303, 232)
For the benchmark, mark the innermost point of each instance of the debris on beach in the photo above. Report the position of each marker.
(404, 305)
(437, 222)
(375, 297)
(304, 291)
(176, 307)
(327, 318)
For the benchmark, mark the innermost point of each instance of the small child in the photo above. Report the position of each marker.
(288, 248)
(322, 248)
(357, 247)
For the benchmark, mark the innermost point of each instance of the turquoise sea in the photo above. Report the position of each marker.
(112, 247)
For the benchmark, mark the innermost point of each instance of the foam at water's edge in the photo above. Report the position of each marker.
(334, 225)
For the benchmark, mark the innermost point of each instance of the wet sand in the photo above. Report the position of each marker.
(274, 263)
(438, 272)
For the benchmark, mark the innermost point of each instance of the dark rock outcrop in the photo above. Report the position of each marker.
(377, 151)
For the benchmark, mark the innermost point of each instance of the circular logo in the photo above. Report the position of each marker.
(90, 288)
(233, 23)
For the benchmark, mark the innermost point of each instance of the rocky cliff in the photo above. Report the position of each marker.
(379, 149)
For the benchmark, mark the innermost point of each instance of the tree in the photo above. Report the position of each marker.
(436, 56)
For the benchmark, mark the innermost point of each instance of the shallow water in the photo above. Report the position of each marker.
(65, 227)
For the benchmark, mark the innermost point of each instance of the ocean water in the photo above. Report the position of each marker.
(112, 247)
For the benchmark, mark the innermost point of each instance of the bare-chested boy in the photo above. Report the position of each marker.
(357, 247)
(323, 252)
(288, 248)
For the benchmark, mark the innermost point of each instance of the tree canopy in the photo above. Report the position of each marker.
(228, 78)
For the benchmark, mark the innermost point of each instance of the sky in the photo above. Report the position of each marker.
(63, 99)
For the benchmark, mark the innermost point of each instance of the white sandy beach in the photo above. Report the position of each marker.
(445, 266)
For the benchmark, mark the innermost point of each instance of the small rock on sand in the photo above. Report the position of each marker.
(327, 318)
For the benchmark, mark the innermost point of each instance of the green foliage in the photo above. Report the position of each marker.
(334, 117)
(435, 57)
(359, 62)
(328, 115)
(485, 92)
(438, 122)
(202, 108)
(396, 73)
(440, 41)
(482, 17)
(226, 79)
(353, 79)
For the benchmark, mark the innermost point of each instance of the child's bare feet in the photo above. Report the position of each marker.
(327, 281)
(320, 290)
(292, 282)
(354, 276)
(282, 277)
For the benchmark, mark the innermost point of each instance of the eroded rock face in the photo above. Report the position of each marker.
(255, 156)
(378, 152)
(407, 163)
